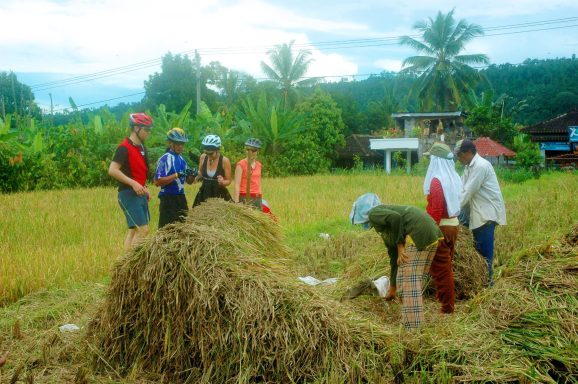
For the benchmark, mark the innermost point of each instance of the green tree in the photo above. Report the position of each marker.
(491, 119)
(527, 153)
(176, 85)
(231, 84)
(444, 76)
(16, 99)
(288, 70)
(324, 126)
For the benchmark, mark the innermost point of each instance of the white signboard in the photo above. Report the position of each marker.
(573, 134)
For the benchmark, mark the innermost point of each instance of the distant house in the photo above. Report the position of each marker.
(444, 125)
(493, 151)
(557, 137)
(358, 145)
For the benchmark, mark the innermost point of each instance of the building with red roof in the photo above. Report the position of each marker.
(493, 151)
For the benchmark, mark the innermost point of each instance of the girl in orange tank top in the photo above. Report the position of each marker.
(248, 173)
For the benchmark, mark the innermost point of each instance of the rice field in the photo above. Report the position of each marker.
(54, 238)
(61, 262)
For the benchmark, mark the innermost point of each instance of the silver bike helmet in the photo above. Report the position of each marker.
(253, 143)
(211, 142)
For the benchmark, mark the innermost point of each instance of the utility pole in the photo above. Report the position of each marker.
(51, 110)
(198, 68)
(12, 76)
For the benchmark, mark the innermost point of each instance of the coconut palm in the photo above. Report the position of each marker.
(288, 70)
(444, 75)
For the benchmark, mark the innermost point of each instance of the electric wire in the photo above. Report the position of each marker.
(322, 46)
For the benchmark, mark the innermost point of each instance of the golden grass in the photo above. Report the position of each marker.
(54, 238)
(521, 331)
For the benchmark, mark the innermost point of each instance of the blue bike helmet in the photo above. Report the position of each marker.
(177, 135)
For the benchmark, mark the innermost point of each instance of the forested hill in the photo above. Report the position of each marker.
(548, 88)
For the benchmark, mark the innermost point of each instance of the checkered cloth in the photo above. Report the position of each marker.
(409, 281)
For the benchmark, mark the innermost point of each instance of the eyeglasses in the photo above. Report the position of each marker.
(209, 153)
(147, 129)
(252, 149)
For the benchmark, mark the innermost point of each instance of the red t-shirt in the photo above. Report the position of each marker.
(133, 161)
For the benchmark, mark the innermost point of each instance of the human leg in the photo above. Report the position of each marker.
(136, 211)
(441, 269)
(140, 234)
(484, 244)
(409, 281)
(173, 208)
(128, 240)
(255, 202)
(393, 278)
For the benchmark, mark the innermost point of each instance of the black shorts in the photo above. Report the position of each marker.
(173, 208)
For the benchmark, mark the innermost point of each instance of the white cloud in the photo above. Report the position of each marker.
(81, 37)
(389, 64)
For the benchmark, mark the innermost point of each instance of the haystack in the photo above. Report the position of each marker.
(470, 268)
(209, 300)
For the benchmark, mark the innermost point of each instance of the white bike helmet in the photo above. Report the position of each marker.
(211, 142)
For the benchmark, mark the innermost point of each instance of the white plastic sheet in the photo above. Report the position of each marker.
(310, 280)
(382, 285)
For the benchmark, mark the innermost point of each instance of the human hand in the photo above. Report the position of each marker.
(220, 180)
(140, 190)
(189, 172)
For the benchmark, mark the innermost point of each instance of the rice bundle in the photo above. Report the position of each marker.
(209, 301)
(470, 268)
(522, 330)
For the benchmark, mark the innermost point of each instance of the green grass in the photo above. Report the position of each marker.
(56, 238)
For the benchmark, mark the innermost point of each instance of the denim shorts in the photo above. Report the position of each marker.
(134, 207)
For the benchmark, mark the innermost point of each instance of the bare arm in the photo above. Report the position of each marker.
(200, 175)
(238, 177)
(166, 180)
(225, 181)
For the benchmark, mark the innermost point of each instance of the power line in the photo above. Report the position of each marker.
(322, 46)
(102, 101)
(367, 75)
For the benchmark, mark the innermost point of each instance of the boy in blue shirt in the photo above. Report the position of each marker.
(171, 174)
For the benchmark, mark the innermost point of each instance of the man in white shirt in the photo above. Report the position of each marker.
(482, 196)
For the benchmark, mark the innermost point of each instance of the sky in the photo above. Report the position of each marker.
(98, 51)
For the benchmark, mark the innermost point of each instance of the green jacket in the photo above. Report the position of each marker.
(395, 222)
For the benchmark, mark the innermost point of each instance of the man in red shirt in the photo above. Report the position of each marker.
(442, 186)
(129, 167)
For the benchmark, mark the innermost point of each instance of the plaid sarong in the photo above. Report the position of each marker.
(409, 282)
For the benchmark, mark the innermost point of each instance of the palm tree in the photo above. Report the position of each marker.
(286, 70)
(443, 74)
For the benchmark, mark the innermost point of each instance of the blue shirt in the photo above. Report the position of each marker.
(169, 164)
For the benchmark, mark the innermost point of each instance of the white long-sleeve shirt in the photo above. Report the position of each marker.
(482, 193)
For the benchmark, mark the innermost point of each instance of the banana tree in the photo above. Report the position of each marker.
(271, 123)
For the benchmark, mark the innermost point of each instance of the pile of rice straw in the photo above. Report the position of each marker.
(470, 268)
(209, 300)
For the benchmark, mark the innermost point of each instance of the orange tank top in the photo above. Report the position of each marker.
(255, 178)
